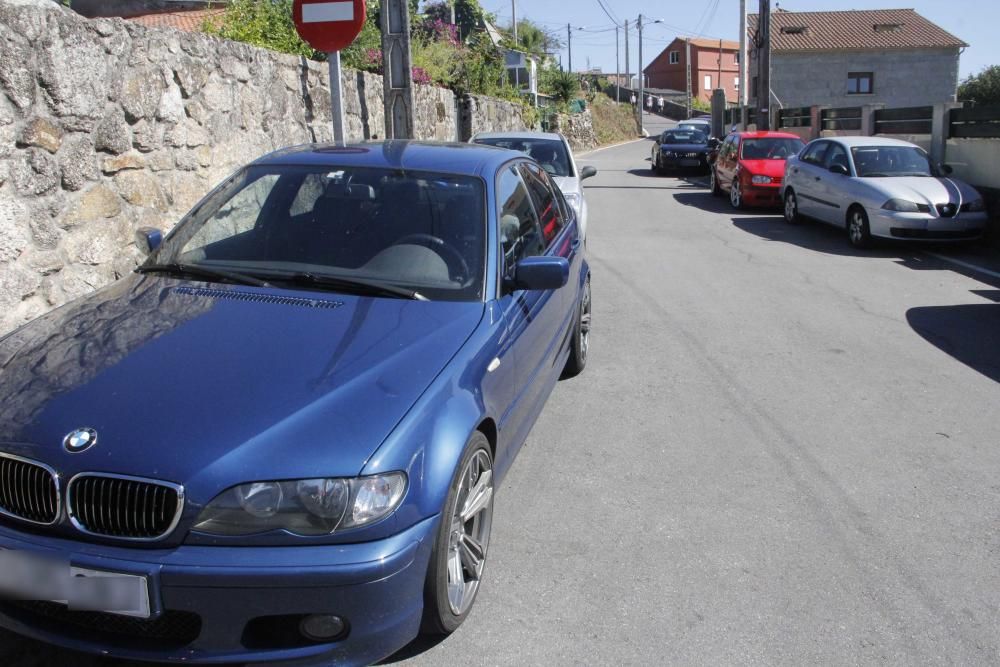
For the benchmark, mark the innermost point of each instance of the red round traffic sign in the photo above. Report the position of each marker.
(329, 25)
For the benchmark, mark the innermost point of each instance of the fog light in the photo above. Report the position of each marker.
(322, 627)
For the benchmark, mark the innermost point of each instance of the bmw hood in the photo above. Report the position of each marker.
(924, 189)
(221, 383)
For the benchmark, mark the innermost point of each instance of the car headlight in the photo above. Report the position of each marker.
(760, 180)
(977, 205)
(304, 507)
(904, 206)
(573, 199)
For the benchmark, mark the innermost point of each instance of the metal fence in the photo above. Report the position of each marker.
(797, 117)
(974, 123)
(846, 118)
(908, 120)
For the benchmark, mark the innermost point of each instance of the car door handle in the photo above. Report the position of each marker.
(818, 178)
(795, 171)
(575, 244)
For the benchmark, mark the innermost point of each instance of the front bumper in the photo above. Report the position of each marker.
(927, 227)
(762, 195)
(241, 604)
(675, 162)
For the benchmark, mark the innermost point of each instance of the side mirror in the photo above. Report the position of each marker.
(946, 169)
(539, 273)
(148, 239)
(587, 172)
(713, 143)
(839, 169)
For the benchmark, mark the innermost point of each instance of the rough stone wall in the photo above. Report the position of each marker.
(107, 126)
(485, 114)
(578, 128)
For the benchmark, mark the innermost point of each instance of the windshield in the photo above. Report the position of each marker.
(875, 161)
(683, 137)
(420, 231)
(770, 148)
(550, 153)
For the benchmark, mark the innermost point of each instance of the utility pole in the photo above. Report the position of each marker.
(569, 46)
(642, 84)
(764, 61)
(687, 61)
(513, 14)
(628, 73)
(453, 12)
(398, 78)
(618, 69)
(744, 81)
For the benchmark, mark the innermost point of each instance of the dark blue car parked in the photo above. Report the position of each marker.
(681, 148)
(280, 438)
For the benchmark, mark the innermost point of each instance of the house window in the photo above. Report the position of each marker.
(708, 82)
(859, 83)
(736, 83)
(675, 57)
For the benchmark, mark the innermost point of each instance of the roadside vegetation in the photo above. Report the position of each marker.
(982, 89)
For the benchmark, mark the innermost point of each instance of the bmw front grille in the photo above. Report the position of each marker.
(131, 508)
(28, 490)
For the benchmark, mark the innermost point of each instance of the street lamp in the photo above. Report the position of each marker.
(642, 78)
(569, 42)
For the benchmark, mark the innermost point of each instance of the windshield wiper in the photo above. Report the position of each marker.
(178, 269)
(351, 284)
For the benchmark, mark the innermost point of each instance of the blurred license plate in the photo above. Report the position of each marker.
(689, 163)
(25, 576)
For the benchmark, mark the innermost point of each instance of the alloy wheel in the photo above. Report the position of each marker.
(735, 198)
(470, 532)
(857, 228)
(585, 324)
(791, 207)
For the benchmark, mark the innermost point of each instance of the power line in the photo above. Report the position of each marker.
(607, 11)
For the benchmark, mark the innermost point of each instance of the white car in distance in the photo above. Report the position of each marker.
(554, 154)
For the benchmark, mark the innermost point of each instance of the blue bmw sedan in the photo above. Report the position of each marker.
(279, 440)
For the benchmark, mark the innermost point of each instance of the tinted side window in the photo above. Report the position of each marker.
(520, 235)
(544, 198)
(836, 155)
(816, 153)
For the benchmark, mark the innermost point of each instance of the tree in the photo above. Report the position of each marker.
(532, 39)
(469, 15)
(563, 86)
(983, 89)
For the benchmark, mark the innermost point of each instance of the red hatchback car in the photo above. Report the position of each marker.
(750, 166)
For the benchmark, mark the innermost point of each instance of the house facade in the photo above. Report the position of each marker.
(852, 58)
(714, 64)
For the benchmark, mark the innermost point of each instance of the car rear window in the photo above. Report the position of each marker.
(423, 231)
(550, 153)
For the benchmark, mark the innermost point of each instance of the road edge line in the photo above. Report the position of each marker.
(604, 148)
(967, 265)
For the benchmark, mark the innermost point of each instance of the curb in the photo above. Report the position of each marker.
(604, 148)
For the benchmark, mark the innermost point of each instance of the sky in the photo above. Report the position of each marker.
(973, 21)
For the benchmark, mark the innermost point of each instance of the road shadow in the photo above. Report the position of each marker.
(702, 198)
(413, 649)
(969, 333)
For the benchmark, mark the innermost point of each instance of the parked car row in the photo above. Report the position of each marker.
(280, 438)
(871, 187)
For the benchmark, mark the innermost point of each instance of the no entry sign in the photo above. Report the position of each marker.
(327, 25)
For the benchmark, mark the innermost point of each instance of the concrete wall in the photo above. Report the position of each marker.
(975, 160)
(901, 78)
(107, 126)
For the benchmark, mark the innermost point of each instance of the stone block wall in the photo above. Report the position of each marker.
(107, 126)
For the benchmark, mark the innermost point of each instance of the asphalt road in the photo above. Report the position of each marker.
(783, 452)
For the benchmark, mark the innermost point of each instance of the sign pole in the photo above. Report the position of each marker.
(336, 98)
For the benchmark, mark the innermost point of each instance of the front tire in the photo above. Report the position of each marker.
(459, 553)
(792, 215)
(581, 338)
(713, 182)
(858, 232)
(736, 195)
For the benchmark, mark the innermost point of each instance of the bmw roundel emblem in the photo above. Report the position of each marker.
(80, 440)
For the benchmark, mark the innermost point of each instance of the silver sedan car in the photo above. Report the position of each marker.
(554, 154)
(879, 187)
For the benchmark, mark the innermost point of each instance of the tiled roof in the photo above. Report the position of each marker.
(727, 45)
(188, 21)
(855, 30)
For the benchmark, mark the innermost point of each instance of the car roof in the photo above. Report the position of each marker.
(451, 158)
(767, 134)
(519, 135)
(698, 121)
(851, 142)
